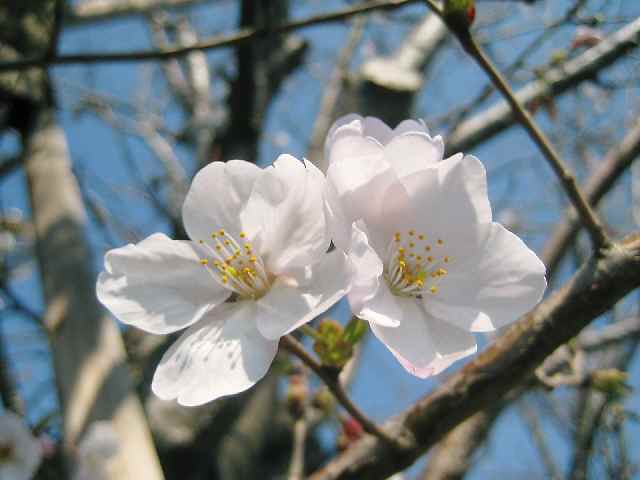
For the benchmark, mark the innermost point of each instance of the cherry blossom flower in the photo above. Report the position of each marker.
(432, 266)
(20, 452)
(256, 268)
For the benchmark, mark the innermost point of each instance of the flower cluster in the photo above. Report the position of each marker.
(416, 251)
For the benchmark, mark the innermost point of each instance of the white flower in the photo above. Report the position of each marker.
(259, 238)
(20, 452)
(96, 452)
(431, 264)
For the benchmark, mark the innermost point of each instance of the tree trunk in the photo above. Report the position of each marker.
(88, 354)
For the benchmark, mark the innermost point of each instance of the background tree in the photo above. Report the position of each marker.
(109, 107)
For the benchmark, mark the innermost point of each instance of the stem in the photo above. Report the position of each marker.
(293, 346)
(590, 220)
(309, 331)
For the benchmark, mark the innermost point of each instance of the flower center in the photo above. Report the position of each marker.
(415, 264)
(6, 452)
(234, 265)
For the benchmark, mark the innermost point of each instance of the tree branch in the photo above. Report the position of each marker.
(221, 41)
(588, 217)
(601, 181)
(91, 11)
(292, 345)
(594, 289)
(556, 81)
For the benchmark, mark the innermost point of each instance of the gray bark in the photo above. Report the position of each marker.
(89, 360)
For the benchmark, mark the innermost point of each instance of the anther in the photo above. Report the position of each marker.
(204, 261)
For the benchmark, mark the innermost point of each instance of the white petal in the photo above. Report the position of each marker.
(287, 208)
(447, 201)
(368, 270)
(158, 285)
(424, 345)
(457, 194)
(382, 308)
(221, 355)
(411, 126)
(506, 281)
(357, 185)
(289, 305)
(217, 195)
(375, 128)
(338, 225)
(413, 152)
(353, 123)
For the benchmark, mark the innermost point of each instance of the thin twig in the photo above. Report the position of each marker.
(333, 90)
(590, 220)
(296, 468)
(294, 346)
(221, 41)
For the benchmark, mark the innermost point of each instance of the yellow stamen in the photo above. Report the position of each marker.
(204, 261)
(242, 234)
(433, 289)
(232, 271)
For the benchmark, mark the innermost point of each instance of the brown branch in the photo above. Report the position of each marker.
(588, 217)
(601, 181)
(556, 81)
(91, 11)
(507, 364)
(221, 41)
(452, 458)
(331, 380)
